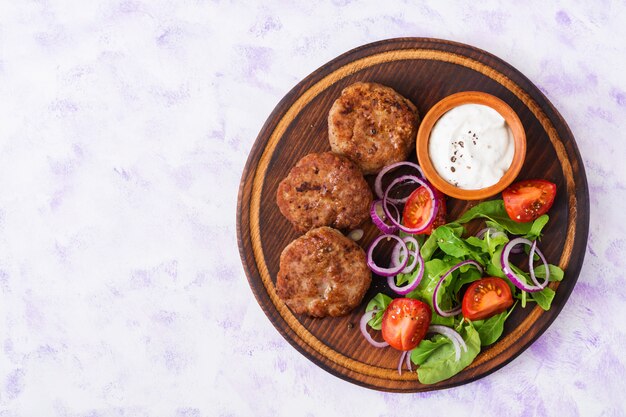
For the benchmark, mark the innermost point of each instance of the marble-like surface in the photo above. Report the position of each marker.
(124, 128)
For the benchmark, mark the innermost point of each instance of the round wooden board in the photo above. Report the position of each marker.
(423, 70)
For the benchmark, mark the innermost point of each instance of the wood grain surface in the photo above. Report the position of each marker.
(425, 71)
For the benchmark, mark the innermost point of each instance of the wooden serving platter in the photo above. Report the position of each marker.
(425, 71)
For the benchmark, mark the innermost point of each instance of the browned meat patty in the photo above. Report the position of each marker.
(372, 125)
(323, 273)
(324, 189)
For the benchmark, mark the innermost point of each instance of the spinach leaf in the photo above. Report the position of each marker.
(441, 364)
(380, 301)
(426, 348)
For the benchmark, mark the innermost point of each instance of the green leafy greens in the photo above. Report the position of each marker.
(441, 363)
(441, 251)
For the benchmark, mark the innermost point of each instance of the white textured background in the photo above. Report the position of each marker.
(124, 128)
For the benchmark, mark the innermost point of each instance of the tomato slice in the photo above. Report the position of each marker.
(526, 200)
(485, 298)
(405, 323)
(417, 209)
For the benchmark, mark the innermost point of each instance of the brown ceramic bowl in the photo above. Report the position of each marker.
(448, 103)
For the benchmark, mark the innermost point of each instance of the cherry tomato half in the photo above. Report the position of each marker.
(405, 323)
(526, 200)
(418, 207)
(485, 298)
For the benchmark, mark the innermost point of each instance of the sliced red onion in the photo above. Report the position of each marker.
(378, 183)
(356, 234)
(521, 282)
(363, 326)
(377, 213)
(453, 335)
(401, 361)
(493, 231)
(531, 261)
(408, 361)
(433, 208)
(411, 285)
(385, 272)
(482, 232)
(456, 310)
(397, 253)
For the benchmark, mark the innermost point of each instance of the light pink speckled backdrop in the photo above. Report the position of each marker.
(124, 128)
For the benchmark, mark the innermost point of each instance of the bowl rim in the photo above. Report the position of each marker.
(442, 107)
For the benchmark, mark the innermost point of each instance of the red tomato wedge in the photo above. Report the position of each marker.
(405, 323)
(417, 209)
(526, 200)
(485, 298)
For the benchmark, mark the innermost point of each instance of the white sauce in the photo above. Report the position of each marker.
(471, 146)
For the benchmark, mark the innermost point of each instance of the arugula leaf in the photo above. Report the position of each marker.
(495, 212)
(452, 244)
(426, 348)
(471, 275)
(535, 229)
(489, 243)
(433, 270)
(429, 247)
(380, 301)
(544, 297)
(441, 364)
(494, 268)
(444, 321)
(491, 329)
(495, 242)
(556, 273)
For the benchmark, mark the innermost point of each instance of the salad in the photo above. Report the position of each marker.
(455, 291)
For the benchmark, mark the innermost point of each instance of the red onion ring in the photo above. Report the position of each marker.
(520, 282)
(531, 261)
(410, 286)
(377, 213)
(363, 326)
(408, 361)
(456, 310)
(453, 335)
(378, 183)
(494, 232)
(385, 272)
(396, 253)
(433, 209)
(401, 361)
